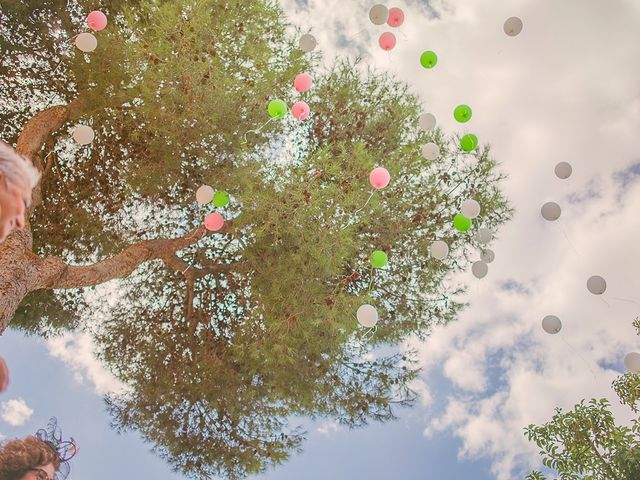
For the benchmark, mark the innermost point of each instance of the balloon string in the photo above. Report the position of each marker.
(605, 302)
(256, 131)
(580, 355)
(354, 36)
(625, 300)
(366, 203)
(373, 273)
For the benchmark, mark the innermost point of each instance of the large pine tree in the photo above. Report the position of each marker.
(222, 337)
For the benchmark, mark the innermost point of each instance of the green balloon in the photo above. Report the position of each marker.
(277, 108)
(469, 142)
(221, 199)
(462, 113)
(461, 223)
(379, 259)
(428, 59)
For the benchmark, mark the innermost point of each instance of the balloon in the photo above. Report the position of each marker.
(4, 375)
(461, 223)
(300, 110)
(632, 362)
(470, 208)
(379, 178)
(469, 142)
(378, 14)
(487, 256)
(551, 211)
(484, 235)
(367, 315)
(462, 113)
(396, 17)
(379, 259)
(86, 42)
(387, 41)
(277, 108)
(83, 134)
(97, 20)
(221, 199)
(213, 222)
(204, 194)
(563, 170)
(427, 121)
(302, 82)
(479, 269)
(430, 151)
(596, 285)
(551, 324)
(512, 26)
(439, 250)
(428, 59)
(308, 43)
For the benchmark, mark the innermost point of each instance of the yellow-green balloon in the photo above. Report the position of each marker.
(428, 59)
(379, 259)
(221, 199)
(461, 223)
(277, 108)
(469, 142)
(462, 113)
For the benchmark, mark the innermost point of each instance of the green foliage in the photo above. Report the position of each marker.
(586, 443)
(177, 93)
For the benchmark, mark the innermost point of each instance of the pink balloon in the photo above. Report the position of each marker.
(213, 222)
(387, 41)
(396, 17)
(379, 178)
(302, 82)
(300, 110)
(97, 20)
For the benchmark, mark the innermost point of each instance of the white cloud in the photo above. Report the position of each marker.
(565, 89)
(329, 428)
(77, 351)
(16, 412)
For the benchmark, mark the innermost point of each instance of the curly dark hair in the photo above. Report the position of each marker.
(17, 457)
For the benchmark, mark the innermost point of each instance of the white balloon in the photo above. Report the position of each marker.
(439, 250)
(367, 315)
(487, 256)
(551, 324)
(484, 235)
(596, 285)
(378, 14)
(430, 151)
(427, 121)
(479, 269)
(563, 170)
(470, 208)
(204, 194)
(551, 211)
(632, 362)
(308, 42)
(86, 42)
(512, 26)
(83, 134)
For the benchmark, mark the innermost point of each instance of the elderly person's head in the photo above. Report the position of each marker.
(18, 177)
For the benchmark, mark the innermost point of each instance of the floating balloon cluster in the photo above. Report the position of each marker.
(205, 195)
(394, 17)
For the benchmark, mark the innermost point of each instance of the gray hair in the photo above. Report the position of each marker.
(16, 169)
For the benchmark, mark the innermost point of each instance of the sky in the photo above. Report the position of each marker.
(565, 89)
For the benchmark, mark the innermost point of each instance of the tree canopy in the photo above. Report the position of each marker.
(222, 338)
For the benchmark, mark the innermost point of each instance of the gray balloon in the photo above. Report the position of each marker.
(484, 235)
(427, 121)
(487, 256)
(308, 42)
(551, 324)
(551, 211)
(596, 285)
(479, 269)
(563, 170)
(379, 14)
(632, 362)
(512, 26)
